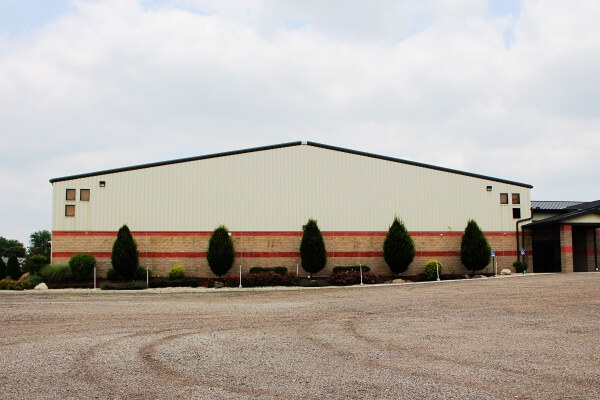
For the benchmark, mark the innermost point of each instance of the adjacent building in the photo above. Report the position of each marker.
(265, 195)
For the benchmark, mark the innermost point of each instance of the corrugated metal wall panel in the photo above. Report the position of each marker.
(279, 189)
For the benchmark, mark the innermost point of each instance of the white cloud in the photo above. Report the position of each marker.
(116, 83)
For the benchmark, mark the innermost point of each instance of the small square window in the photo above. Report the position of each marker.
(69, 210)
(70, 194)
(488, 188)
(84, 194)
(503, 198)
(516, 198)
(516, 213)
(102, 183)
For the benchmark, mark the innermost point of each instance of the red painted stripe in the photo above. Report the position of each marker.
(566, 228)
(566, 249)
(69, 254)
(268, 254)
(274, 233)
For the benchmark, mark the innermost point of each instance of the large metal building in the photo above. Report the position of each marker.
(265, 195)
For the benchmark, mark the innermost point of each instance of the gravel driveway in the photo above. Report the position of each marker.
(526, 337)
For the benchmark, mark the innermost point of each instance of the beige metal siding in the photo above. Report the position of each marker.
(279, 189)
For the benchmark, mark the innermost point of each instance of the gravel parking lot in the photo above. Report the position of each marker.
(525, 337)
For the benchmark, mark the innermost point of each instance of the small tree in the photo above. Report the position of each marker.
(398, 247)
(82, 266)
(13, 270)
(312, 248)
(220, 254)
(475, 251)
(2, 268)
(39, 243)
(124, 257)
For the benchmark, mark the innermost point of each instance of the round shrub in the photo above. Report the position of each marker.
(82, 266)
(431, 269)
(176, 272)
(112, 275)
(140, 273)
(34, 279)
(520, 266)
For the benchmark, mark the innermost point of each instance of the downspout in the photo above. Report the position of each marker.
(517, 235)
(596, 249)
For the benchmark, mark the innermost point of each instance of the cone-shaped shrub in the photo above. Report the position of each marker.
(2, 268)
(220, 254)
(398, 247)
(312, 248)
(475, 251)
(124, 257)
(13, 270)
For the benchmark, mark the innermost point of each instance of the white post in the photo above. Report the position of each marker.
(495, 267)
(147, 277)
(437, 269)
(361, 281)
(240, 275)
(296, 270)
(94, 277)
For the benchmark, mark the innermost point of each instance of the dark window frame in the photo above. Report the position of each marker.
(81, 191)
(69, 207)
(73, 191)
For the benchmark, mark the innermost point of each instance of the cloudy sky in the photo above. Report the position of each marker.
(506, 88)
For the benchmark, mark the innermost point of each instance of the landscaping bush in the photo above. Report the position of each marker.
(112, 275)
(270, 278)
(13, 270)
(520, 266)
(351, 268)
(176, 272)
(312, 248)
(431, 269)
(82, 266)
(279, 270)
(220, 253)
(34, 280)
(475, 251)
(140, 274)
(130, 285)
(182, 282)
(55, 273)
(124, 258)
(352, 277)
(35, 263)
(398, 247)
(11, 284)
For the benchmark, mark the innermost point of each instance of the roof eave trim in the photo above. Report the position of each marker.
(175, 161)
(418, 164)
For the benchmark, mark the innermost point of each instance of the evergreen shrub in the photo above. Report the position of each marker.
(475, 251)
(34, 279)
(220, 253)
(431, 269)
(2, 268)
(82, 266)
(35, 263)
(124, 258)
(176, 272)
(130, 285)
(312, 248)
(13, 270)
(398, 247)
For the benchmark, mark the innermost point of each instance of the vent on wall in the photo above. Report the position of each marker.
(102, 183)
(488, 188)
